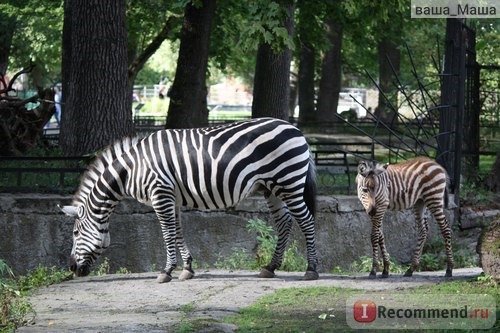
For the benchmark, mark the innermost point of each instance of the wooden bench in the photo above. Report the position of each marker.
(340, 158)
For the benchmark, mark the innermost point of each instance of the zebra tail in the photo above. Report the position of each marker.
(447, 192)
(311, 188)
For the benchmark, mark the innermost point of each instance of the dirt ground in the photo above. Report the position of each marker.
(136, 303)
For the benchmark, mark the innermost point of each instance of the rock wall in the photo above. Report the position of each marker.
(33, 231)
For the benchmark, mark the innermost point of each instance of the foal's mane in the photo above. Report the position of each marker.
(99, 165)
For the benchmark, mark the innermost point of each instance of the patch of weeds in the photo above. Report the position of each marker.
(293, 259)
(364, 264)
(122, 270)
(474, 195)
(429, 262)
(187, 308)
(434, 257)
(185, 325)
(103, 268)
(43, 276)
(15, 310)
(239, 259)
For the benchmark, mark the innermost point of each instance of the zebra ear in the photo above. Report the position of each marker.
(363, 168)
(380, 168)
(70, 210)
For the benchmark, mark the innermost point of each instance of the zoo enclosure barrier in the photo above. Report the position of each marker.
(336, 168)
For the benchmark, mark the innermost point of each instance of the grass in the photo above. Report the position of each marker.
(323, 309)
(15, 310)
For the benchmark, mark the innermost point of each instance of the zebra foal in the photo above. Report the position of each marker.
(204, 168)
(416, 183)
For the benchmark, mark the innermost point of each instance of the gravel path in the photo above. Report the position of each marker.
(136, 303)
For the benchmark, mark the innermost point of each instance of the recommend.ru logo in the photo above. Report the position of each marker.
(413, 311)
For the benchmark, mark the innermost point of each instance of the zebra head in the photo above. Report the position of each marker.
(372, 189)
(90, 239)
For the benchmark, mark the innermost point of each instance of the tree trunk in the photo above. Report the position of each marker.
(188, 97)
(306, 84)
(271, 91)
(452, 85)
(331, 74)
(8, 26)
(97, 95)
(388, 53)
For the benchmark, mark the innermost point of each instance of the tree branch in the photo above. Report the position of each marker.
(155, 44)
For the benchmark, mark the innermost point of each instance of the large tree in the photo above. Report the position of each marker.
(188, 97)
(97, 95)
(309, 38)
(389, 62)
(271, 90)
(331, 73)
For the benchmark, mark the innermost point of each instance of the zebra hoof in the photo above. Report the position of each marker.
(372, 275)
(384, 275)
(448, 273)
(266, 274)
(408, 273)
(186, 275)
(163, 278)
(311, 275)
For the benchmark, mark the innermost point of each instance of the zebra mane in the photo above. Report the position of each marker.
(99, 165)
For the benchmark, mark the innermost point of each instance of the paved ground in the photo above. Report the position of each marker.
(136, 303)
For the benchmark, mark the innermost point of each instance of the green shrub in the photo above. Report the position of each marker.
(293, 259)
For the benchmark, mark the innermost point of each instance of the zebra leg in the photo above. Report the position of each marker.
(385, 254)
(444, 226)
(283, 222)
(187, 271)
(423, 230)
(305, 219)
(375, 236)
(163, 203)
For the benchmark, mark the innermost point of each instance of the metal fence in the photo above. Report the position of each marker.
(336, 169)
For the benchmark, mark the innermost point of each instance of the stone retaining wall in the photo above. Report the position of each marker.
(33, 231)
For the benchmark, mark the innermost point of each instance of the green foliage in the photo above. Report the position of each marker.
(15, 310)
(475, 195)
(103, 268)
(37, 38)
(364, 264)
(429, 262)
(42, 276)
(293, 259)
(122, 270)
(434, 257)
(239, 259)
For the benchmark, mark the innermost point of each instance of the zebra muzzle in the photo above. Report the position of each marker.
(79, 270)
(371, 211)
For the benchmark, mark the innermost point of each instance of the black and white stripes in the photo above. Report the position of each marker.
(417, 183)
(207, 168)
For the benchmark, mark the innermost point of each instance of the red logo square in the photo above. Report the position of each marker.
(365, 311)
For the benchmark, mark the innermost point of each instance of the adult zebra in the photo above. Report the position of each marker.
(206, 168)
(416, 183)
